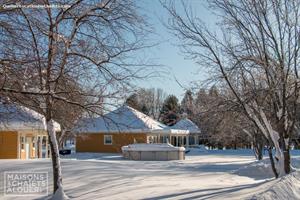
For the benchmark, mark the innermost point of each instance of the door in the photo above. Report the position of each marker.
(27, 150)
(44, 147)
(29, 144)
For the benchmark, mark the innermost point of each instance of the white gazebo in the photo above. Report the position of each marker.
(191, 127)
(176, 137)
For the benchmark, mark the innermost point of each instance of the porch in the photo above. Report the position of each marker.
(175, 137)
(33, 145)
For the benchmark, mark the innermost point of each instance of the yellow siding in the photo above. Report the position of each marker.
(95, 142)
(8, 145)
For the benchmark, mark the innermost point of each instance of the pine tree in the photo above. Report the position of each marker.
(133, 101)
(170, 111)
(187, 103)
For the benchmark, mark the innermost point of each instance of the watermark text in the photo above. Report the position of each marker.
(25, 183)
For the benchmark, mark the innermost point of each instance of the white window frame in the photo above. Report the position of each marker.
(104, 137)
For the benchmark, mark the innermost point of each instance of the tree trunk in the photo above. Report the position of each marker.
(284, 143)
(258, 151)
(58, 192)
(61, 139)
(260, 154)
(287, 158)
(272, 161)
(258, 145)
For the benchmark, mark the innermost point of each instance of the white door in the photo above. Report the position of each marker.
(27, 150)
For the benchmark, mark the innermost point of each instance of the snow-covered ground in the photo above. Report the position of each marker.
(227, 174)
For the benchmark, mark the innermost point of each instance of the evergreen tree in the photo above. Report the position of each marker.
(187, 104)
(170, 111)
(133, 101)
(213, 91)
(201, 98)
(145, 109)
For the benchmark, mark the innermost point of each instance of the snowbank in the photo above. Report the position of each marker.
(256, 170)
(287, 187)
(59, 195)
(195, 150)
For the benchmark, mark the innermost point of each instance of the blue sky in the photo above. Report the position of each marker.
(166, 53)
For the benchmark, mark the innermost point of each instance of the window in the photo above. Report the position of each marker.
(22, 142)
(107, 139)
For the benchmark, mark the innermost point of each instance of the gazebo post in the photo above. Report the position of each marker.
(187, 141)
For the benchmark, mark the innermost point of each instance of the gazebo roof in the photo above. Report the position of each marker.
(186, 124)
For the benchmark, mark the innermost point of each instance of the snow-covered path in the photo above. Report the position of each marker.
(203, 175)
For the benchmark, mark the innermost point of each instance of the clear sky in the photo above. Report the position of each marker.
(166, 53)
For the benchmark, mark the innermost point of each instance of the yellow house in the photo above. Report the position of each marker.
(121, 127)
(23, 133)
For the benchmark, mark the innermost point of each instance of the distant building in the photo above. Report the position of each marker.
(23, 133)
(121, 127)
(195, 136)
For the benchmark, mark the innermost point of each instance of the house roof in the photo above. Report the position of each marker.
(123, 119)
(186, 124)
(15, 117)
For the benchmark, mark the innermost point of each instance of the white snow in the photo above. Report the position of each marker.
(279, 113)
(124, 119)
(257, 170)
(186, 124)
(287, 187)
(211, 174)
(59, 195)
(268, 131)
(14, 117)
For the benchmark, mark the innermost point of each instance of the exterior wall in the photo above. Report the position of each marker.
(94, 142)
(8, 144)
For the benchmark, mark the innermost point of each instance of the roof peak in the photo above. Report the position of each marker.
(124, 118)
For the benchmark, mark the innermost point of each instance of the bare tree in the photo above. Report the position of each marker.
(221, 120)
(148, 101)
(255, 52)
(45, 50)
(156, 99)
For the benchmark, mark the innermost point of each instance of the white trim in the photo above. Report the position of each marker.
(104, 140)
(18, 148)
